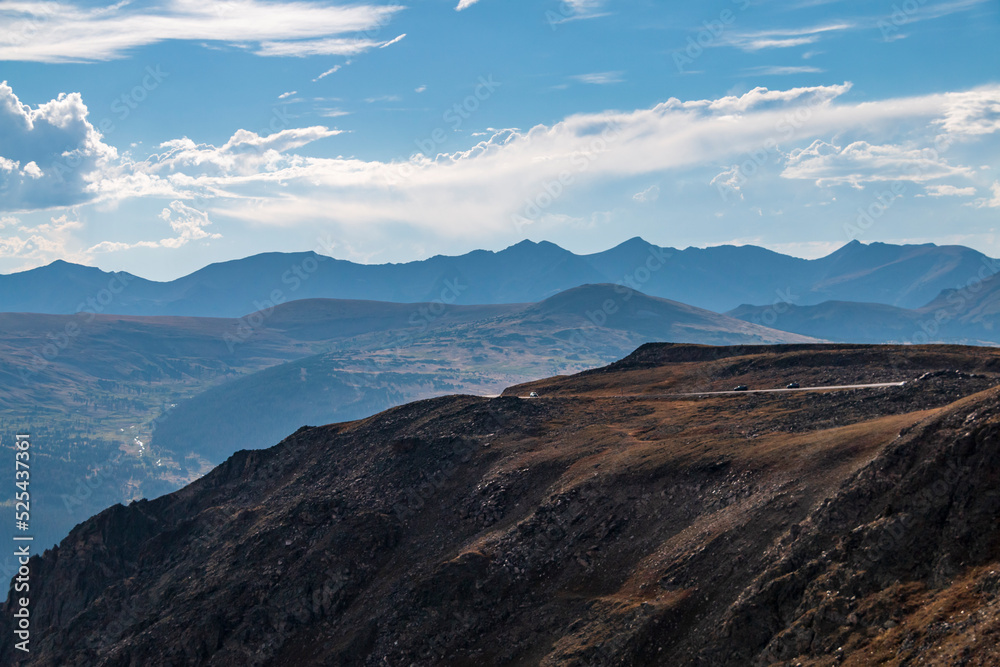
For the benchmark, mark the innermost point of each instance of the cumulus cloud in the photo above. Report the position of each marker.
(729, 181)
(46, 31)
(862, 162)
(244, 154)
(44, 243)
(992, 201)
(187, 222)
(972, 113)
(510, 175)
(49, 156)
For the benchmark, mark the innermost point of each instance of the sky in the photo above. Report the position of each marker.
(159, 136)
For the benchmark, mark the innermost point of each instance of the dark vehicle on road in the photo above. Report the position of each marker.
(741, 387)
(792, 385)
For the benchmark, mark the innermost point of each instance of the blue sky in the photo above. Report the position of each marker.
(156, 137)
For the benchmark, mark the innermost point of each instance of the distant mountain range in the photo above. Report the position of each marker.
(970, 314)
(717, 279)
(575, 330)
(133, 406)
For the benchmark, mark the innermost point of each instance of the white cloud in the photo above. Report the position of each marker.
(862, 162)
(575, 10)
(776, 70)
(974, 112)
(568, 10)
(332, 70)
(383, 98)
(332, 46)
(394, 40)
(49, 156)
(650, 194)
(991, 202)
(188, 223)
(420, 89)
(262, 180)
(48, 31)
(287, 95)
(949, 191)
(729, 181)
(780, 39)
(245, 153)
(43, 243)
(599, 78)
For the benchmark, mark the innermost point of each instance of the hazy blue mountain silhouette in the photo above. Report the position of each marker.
(718, 279)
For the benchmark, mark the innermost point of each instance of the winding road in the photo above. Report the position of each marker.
(876, 385)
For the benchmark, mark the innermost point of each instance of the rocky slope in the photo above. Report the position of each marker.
(615, 520)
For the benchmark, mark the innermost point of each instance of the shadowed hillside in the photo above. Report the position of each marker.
(610, 521)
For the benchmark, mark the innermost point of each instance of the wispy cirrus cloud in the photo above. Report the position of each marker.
(782, 70)
(949, 191)
(334, 46)
(783, 38)
(332, 70)
(53, 32)
(600, 78)
(569, 10)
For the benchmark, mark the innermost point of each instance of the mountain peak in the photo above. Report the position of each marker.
(529, 246)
